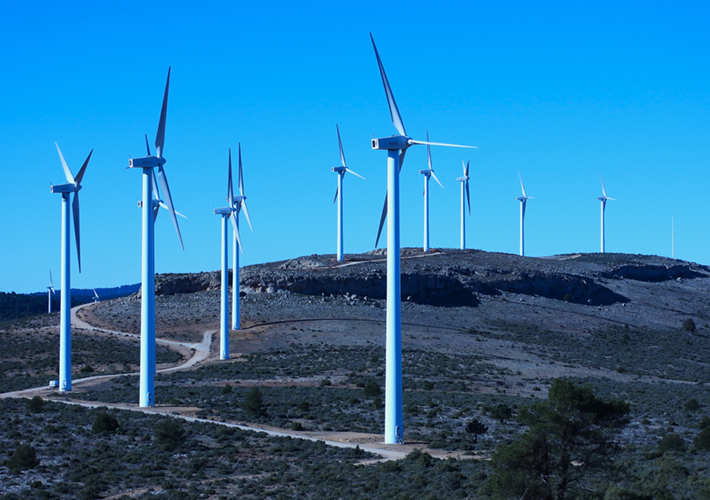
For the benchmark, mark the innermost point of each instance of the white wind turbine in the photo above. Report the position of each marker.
(341, 170)
(73, 186)
(523, 201)
(396, 147)
(96, 296)
(151, 203)
(603, 200)
(237, 203)
(427, 173)
(50, 291)
(464, 187)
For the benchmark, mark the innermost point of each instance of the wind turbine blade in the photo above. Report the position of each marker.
(156, 211)
(161, 204)
(75, 213)
(246, 213)
(163, 180)
(230, 190)
(241, 174)
(160, 136)
(80, 175)
(468, 197)
(156, 193)
(382, 221)
(437, 179)
(51, 284)
(524, 202)
(612, 199)
(96, 294)
(603, 188)
(428, 151)
(147, 146)
(358, 175)
(401, 158)
(336, 196)
(521, 185)
(394, 111)
(412, 141)
(236, 234)
(340, 145)
(465, 170)
(67, 172)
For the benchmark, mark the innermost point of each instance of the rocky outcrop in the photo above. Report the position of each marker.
(443, 278)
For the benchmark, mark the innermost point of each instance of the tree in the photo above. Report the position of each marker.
(476, 427)
(254, 402)
(104, 422)
(36, 404)
(671, 442)
(702, 440)
(568, 438)
(169, 433)
(24, 457)
(689, 325)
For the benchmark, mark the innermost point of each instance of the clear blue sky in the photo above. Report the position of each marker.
(560, 91)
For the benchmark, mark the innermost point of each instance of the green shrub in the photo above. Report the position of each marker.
(24, 458)
(226, 389)
(692, 405)
(671, 442)
(104, 422)
(702, 440)
(36, 404)
(689, 325)
(372, 389)
(168, 433)
(705, 422)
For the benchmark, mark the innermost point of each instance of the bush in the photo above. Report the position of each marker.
(692, 405)
(24, 457)
(671, 442)
(476, 427)
(226, 389)
(702, 440)
(36, 404)
(705, 422)
(689, 325)
(372, 389)
(104, 422)
(254, 403)
(169, 433)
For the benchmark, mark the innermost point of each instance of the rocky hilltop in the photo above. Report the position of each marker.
(446, 277)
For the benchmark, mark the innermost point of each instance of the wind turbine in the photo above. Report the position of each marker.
(603, 200)
(96, 296)
(339, 193)
(237, 203)
(396, 147)
(523, 201)
(464, 187)
(73, 186)
(151, 203)
(427, 173)
(50, 291)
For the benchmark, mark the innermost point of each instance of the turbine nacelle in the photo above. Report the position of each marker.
(461, 179)
(522, 198)
(340, 170)
(65, 188)
(394, 143)
(426, 171)
(223, 211)
(146, 162)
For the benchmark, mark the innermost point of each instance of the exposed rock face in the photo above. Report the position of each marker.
(448, 277)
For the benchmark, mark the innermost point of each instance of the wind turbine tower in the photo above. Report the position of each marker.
(150, 204)
(523, 201)
(341, 170)
(237, 203)
(73, 186)
(603, 200)
(50, 291)
(464, 187)
(427, 173)
(396, 147)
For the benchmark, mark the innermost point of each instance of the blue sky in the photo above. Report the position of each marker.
(560, 91)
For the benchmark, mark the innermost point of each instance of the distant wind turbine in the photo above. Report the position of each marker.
(50, 291)
(672, 238)
(341, 170)
(396, 147)
(603, 200)
(237, 203)
(96, 296)
(427, 173)
(523, 201)
(151, 203)
(464, 186)
(73, 186)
